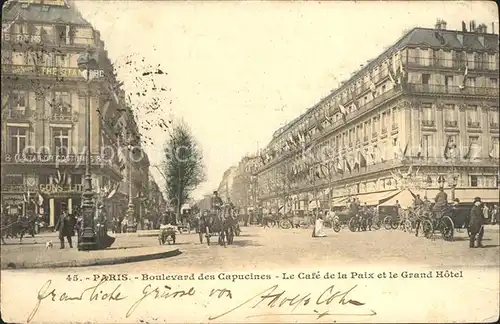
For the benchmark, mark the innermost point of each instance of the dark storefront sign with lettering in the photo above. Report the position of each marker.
(44, 188)
(52, 158)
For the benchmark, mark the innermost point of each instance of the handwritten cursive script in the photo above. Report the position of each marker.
(164, 292)
(274, 297)
(93, 293)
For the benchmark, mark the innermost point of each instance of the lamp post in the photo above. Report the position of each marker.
(452, 180)
(130, 210)
(88, 238)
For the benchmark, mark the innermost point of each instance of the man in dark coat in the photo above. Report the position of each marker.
(441, 202)
(476, 224)
(217, 202)
(65, 228)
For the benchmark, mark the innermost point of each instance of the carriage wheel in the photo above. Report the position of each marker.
(352, 224)
(447, 228)
(427, 228)
(336, 226)
(376, 223)
(284, 224)
(395, 223)
(388, 222)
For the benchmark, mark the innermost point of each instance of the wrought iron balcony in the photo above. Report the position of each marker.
(66, 116)
(428, 123)
(473, 124)
(395, 126)
(451, 123)
(17, 114)
(493, 125)
(443, 89)
(419, 61)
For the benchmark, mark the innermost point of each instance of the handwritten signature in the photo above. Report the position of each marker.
(272, 297)
(275, 297)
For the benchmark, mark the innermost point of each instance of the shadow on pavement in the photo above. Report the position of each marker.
(245, 243)
(461, 239)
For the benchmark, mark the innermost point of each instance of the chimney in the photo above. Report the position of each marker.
(443, 25)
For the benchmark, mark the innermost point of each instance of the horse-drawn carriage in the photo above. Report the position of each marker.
(220, 223)
(445, 223)
(18, 228)
(361, 220)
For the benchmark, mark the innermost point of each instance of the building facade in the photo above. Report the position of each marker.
(44, 98)
(423, 114)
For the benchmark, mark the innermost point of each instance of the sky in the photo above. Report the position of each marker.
(237, 71)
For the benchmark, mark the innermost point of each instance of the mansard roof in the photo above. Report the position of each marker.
(43, 13)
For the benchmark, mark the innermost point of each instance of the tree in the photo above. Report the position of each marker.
(183, 165)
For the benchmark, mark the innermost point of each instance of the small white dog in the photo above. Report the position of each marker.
(49, 245)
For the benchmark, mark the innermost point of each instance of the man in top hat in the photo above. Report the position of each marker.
(441, 202)
(476, 223)
(64, 226)
(217, 202)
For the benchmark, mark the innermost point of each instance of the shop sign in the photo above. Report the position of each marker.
(65, 72)
(53, 188)
(51, 158)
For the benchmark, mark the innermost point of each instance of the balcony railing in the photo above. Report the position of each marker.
(440, 89)
(394, 126)
(451, 123)
(494, 125)
(49, 71)
(428, 123)
(47, 39)
(17, 114)
(384, 130)
(473, 124)
(418, 61)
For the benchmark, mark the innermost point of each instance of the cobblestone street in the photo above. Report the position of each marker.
(272, 248)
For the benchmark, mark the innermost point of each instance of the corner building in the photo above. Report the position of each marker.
(44, 96)
(423, 113)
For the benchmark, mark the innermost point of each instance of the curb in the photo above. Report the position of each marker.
(91, 262)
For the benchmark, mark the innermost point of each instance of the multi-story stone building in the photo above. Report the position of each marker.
(424, 113)
(44, 97)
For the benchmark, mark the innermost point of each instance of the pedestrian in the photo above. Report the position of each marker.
(476, 224)
(494, 214)
(441, 202)
(318, 227)
(64, 227)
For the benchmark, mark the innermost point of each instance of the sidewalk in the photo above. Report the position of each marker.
(33, 253)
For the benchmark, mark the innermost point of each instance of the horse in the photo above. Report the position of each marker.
(19, 227)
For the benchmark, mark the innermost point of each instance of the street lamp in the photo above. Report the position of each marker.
(130, 210)
(88, 238)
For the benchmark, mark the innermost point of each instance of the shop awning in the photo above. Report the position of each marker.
(375, 198)
(468, 195)
(340, 201)
(405, 199)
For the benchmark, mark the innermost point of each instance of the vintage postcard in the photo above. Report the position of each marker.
(249, 162)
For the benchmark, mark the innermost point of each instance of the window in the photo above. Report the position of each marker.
(62, 103)
(473, 180)
(426, 145)
(427, 112)
(492, 62)
(20, 29)
(450, 116)
(471, 82)
(18, 137)
(426, 78)
(19, 101)
(376, 125)
(448, 82)
(493, 83)
(494, 116)
(395, 116)
(61, 34)
(60, 138)
(472, 115)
